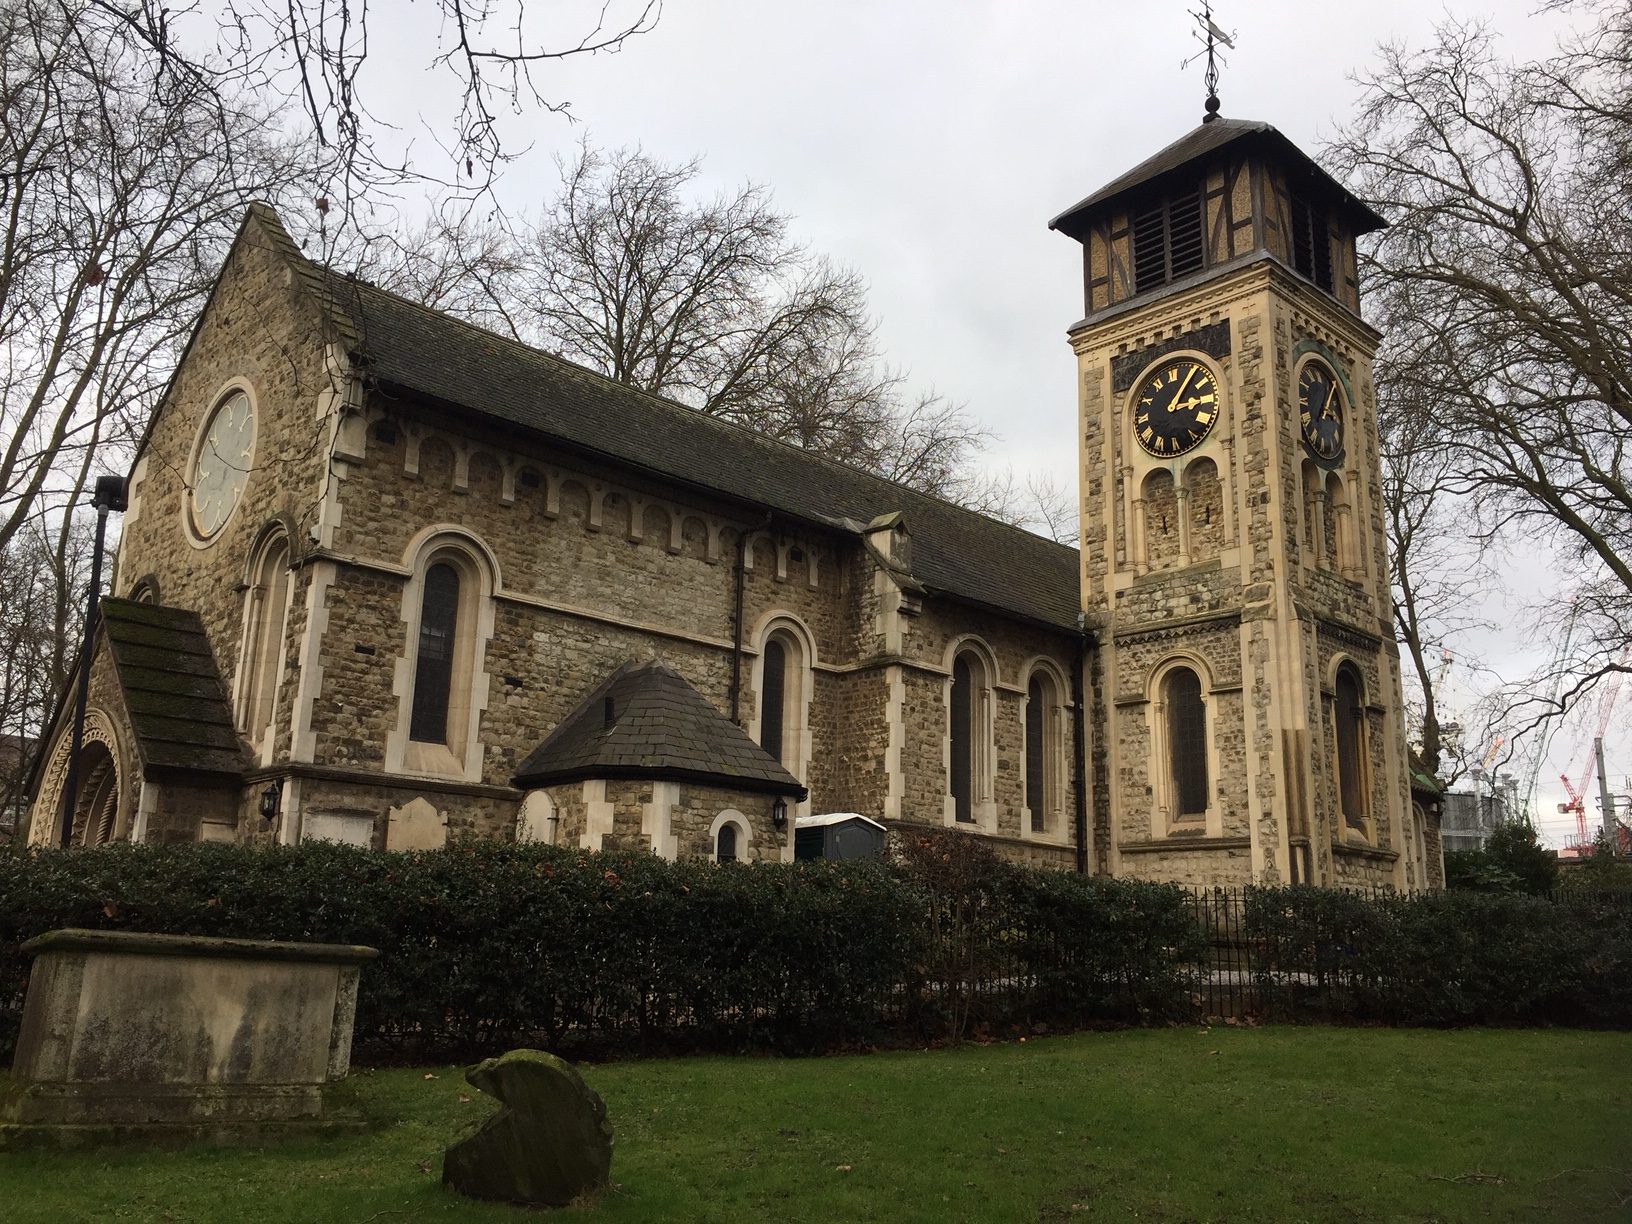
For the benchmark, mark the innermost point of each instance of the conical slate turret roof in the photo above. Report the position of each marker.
(645, 721)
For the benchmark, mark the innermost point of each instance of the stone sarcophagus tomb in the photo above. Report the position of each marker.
(172, 1036)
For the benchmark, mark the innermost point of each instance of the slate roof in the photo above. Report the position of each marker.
(1199, 144)
(408, 348)
(645, 721)
(177, 704)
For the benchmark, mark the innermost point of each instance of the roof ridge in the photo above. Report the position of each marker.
(314, 276)
(576, 370)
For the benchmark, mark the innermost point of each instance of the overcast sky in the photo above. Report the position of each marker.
(928, 144)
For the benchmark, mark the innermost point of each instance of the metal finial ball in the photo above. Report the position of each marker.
(1212, 108)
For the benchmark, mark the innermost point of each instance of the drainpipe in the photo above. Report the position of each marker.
(740, 578)
(1079, 748)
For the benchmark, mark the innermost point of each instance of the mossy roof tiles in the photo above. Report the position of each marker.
(645, 720)
(1196, 148)
(172, 691)
(408, 348)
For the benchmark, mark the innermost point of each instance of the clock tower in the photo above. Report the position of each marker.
(1246, 692)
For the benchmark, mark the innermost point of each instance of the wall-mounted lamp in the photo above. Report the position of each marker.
(779, 813)
(271, 797)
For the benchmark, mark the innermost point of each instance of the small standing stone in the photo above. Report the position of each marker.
(548, 1144)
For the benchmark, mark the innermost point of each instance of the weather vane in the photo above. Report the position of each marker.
(1210, 36)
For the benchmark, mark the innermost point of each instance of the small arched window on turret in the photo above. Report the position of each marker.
(1161, 517)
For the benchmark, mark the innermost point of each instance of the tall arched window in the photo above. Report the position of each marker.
(725, 844)
(1186, 743)
(784, 684)
(1350, 716)
(441, 680)
(433, 665)
(962, 729)
(969, 740)
(266, 612)
(773, 697)
(1044, 751)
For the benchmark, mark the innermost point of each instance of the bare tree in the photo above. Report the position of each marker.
(42, 584)
(307, 58)
(1437, 553)
(1034, 500)
(1508, 266)
(711, 303)
(122, 181)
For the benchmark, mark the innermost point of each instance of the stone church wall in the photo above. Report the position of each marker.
(929, 641)
(259, 332)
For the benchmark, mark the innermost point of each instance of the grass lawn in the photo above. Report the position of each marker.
(1179, 1124)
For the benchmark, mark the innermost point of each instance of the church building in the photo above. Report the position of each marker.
(388, 578)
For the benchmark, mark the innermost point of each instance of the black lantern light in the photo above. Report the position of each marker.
(779, 813)
(270, 799)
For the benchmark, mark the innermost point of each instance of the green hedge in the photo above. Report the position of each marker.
(1442, 958)
(485, 944)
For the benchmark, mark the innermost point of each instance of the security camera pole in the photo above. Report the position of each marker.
(110, 495)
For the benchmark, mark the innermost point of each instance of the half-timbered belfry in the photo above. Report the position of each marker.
(1248, 722)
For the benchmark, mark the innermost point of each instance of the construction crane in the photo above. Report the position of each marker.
(1578, 791)
(1547, 726)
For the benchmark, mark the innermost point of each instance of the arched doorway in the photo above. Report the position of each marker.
(96, 807)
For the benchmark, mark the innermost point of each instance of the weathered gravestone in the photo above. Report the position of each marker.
(549, 1143)
(128, 1035)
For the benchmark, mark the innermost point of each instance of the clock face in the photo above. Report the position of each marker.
(222, 466)
(1320, 411)
(1174, 407)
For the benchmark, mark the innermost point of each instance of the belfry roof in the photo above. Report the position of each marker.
(1198, 145)
(646, 721)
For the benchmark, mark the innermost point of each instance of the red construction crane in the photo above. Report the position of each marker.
(1578, 792)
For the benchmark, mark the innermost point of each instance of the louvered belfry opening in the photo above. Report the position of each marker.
(1311, 245)
(1167, 240)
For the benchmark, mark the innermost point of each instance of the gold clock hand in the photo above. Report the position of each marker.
(1326, 408)
(1180, 391)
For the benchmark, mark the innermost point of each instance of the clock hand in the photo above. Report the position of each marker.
(1326, 408)
(1173, 404)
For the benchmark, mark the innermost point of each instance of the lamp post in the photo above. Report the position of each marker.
(110, 495)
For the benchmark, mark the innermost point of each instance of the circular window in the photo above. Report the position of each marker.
(221, 465)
